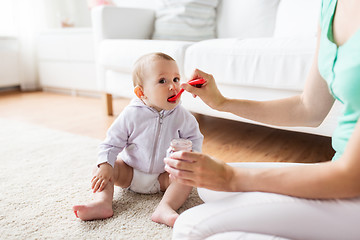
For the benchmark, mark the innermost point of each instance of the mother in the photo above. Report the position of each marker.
(300, 201)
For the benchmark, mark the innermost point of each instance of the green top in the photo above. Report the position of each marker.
(340, 67)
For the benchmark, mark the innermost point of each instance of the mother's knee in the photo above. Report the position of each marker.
(186, 226)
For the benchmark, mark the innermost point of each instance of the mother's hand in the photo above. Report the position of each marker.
(199, 170)
(208, 92)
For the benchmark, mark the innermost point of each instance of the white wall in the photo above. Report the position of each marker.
(75, 10)
(79, 13)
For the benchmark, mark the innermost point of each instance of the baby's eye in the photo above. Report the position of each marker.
(176, 79)
(162, 80)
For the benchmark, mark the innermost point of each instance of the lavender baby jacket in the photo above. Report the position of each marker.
(141, 135)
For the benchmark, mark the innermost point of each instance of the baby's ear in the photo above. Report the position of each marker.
(138, 91)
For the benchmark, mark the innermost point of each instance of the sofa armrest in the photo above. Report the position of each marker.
(111, 22)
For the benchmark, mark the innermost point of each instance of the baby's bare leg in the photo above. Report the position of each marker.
(100, 207)
(174, 197)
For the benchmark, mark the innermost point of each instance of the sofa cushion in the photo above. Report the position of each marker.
(246, 19)
(281, 63)
(121, 54)
(187, 20)
(297, 18)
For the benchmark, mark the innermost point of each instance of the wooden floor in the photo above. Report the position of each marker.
(227, 140)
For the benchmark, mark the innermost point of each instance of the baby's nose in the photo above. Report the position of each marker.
(172, 86)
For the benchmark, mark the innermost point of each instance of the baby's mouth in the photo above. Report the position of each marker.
(171, 100)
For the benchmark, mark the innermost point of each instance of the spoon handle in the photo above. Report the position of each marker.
(199, 81)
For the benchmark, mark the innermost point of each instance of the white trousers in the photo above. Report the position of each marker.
(265, 216)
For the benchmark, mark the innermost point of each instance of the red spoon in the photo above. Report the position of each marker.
(197, 82)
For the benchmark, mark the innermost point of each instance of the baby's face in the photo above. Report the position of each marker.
(161, 81)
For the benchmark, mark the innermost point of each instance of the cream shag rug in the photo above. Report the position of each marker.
(44, 172)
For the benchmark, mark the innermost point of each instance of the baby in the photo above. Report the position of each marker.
(132, 154)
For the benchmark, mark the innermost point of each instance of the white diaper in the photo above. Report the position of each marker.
(145, 183)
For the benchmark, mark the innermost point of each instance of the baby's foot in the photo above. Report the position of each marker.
(92, 211)
(165, 214)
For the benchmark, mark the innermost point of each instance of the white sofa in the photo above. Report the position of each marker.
(263, 50)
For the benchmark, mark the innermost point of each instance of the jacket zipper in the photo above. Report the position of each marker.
(158, 128)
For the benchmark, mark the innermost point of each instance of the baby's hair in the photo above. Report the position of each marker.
(140, 64)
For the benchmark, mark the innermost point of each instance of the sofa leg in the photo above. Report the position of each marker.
(109, 105)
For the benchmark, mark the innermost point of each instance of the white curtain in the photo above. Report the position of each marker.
(29, 19)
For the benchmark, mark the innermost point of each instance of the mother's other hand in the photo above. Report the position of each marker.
(200, 170)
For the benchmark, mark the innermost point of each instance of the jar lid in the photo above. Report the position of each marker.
(181, 144)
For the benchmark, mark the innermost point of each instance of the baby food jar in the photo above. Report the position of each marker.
(179, 144)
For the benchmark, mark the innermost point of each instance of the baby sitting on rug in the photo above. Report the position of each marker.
(141, 134)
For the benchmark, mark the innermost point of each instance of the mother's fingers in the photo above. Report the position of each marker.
(179, 164)
(187, 156)
(185, 181)
(183, 177)
(176, 173)
(199, 74)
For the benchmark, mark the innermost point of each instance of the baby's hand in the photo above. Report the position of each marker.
(102, 176)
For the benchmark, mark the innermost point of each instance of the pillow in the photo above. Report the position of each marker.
(246, 18)
(186, 20)
(297, 18)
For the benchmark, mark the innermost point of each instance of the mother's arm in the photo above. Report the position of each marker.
(308, 109)
(338, 179)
